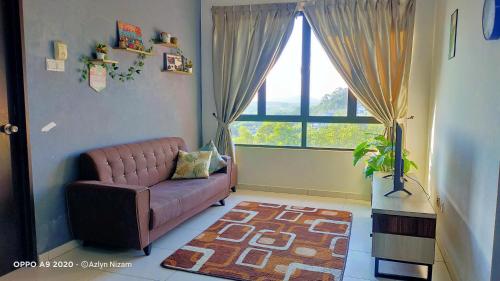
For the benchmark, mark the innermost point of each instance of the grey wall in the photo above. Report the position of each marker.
(156, 104)
(465, 133)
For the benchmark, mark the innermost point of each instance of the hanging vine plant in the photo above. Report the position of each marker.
(112, 69)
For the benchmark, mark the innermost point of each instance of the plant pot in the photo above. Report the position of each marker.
(165, 37)
(190, 70)
(101, 56)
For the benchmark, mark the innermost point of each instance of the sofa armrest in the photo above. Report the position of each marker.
(109, 214)
(231, 170)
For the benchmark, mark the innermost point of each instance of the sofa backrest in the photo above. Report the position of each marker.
(143, 163)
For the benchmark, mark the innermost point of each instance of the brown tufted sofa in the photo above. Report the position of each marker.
(126, 197)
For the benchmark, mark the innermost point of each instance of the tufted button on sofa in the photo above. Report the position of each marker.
(126, 197)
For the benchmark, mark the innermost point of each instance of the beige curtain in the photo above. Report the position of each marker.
(247, 40)
(370, 44)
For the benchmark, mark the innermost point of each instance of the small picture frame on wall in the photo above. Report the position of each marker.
(130, 36)
(174, 62)
(453, 35)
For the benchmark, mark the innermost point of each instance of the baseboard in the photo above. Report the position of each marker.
(305, 191)
(449, 265)
(58, 251)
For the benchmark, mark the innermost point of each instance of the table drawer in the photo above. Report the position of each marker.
(400, 225)
(403, 248)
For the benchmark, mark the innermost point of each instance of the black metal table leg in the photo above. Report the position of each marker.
(429, 272)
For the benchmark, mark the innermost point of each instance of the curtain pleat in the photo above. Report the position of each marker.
(370, 43)
(247, 41)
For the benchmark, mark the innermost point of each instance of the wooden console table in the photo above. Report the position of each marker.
(404, 227)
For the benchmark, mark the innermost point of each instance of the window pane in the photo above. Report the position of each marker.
(328, 91)
(252, 107)
(267, 133)
(340, 135)
(361, 110)
(283, 83)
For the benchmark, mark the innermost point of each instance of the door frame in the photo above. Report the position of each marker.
(18, 115)
(495, 263)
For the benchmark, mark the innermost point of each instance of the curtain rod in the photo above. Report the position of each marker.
(300, 5)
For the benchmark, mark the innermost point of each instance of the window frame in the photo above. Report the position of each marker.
(304, 118)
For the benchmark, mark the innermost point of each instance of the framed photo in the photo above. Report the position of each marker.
(130, 35)
(453, 35)
(174, 62)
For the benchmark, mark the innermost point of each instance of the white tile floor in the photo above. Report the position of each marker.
(359, 262)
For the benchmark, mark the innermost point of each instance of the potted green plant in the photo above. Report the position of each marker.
(378, 153)
(189, 66)
(101, 51)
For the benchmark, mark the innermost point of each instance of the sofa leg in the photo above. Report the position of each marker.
(233, 188)
(147, 249)
(222, 202)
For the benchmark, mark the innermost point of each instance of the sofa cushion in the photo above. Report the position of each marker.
(142, 163)
(171, 198)
(192, 165)
(216, 160)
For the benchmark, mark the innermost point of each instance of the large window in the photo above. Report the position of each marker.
(304, 102)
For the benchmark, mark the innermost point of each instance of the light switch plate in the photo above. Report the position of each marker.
(54, 65)
(60, 65)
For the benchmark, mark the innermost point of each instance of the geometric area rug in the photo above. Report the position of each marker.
(269, 242)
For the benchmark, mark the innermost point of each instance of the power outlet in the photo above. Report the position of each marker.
(440, 204)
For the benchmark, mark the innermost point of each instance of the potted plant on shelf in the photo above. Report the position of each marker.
(101, 51)
(189, 66)
(165, 37)
(378, 153)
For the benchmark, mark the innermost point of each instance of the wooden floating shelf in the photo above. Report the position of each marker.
(178, 72)
(168, 45)
(104, 61)
(134, 51)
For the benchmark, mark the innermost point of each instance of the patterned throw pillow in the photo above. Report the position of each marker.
(216, 161)
(192, 165)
